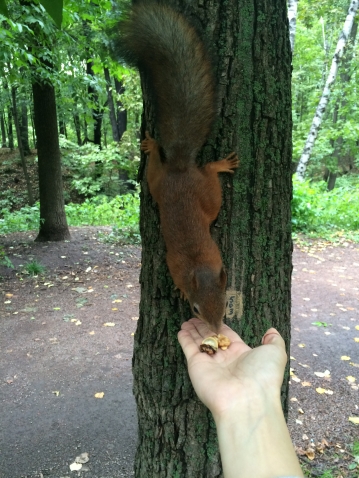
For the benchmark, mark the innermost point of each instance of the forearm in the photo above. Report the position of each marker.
(254, 441)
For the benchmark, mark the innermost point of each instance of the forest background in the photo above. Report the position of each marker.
(98, 107)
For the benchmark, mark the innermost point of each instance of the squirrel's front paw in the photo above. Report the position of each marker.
(148, 144)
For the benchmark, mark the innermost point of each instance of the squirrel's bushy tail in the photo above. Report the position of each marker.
(163, 45)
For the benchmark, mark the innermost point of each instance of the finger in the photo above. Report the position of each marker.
(231, 334)
(188, 344)
(147, 134)
(272, 336)
(197, 329)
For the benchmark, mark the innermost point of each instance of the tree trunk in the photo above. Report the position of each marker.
(121, 113)
(317, 120)
(24, 129)
(9, 126)
(111, 106)
(292, 17)
(77, 128)
(177, 436)
(331, 180)
(62, 128)
(96, 111)
(53, 224)
(3, 130)
(21, 147)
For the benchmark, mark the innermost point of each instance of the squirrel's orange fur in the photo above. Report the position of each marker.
(164, 46)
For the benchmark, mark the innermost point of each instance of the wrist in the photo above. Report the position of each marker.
(255, 400)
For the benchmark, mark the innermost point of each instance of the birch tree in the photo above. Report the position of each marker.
(292, 18)
(317, 120)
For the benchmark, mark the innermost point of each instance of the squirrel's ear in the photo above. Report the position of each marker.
(223, 277)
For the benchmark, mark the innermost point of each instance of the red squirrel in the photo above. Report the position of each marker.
(168, 51)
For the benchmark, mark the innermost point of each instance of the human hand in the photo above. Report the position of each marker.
(231, 377)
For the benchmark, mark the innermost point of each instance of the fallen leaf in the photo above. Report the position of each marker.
(9, 295)
(320, 324)
(304, 437)
(293, 399)
(78, 322)
(115, 308)
(322, 374)
(306, 384)
(320, 390)
(292, 358)
(7, 302)
(300, 410)
(301, 346)
(116, 300)
(56, 392)
(83, 458)
(354, 420)
(299, 422)
(357, 327)
(109, 324)
(310, 453)
(346, 328)
(99, 395)
(134, 318)
(75, 466)
(350, 379)
(295, 379)
(306, 298)
(92, 332)
(304, 365)
(344, 357)
(354, 364)
(356, 339)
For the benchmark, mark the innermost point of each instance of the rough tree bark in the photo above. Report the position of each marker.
(317, 120)
(21, 147)
(177, 436)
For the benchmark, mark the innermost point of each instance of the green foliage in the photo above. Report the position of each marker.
(4, 260)
(317, 33)
(122, 212)
(316, 210)
(34, 268)
(96, 171)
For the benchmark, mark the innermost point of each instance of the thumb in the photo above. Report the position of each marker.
(272, 336)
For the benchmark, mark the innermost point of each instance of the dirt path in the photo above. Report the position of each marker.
(56, 354)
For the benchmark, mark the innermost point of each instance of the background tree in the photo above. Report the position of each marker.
(177, 435)
(316, 37)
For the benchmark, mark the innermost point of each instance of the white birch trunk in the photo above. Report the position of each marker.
(313, 132)
(292, 17)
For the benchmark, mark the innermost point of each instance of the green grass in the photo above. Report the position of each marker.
(316, 213)
(329, 215)
(121, 212)
(34, 268)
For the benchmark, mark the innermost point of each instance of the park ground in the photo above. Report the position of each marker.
(66, 340)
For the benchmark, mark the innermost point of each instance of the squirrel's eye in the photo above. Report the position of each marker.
(195, 309)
